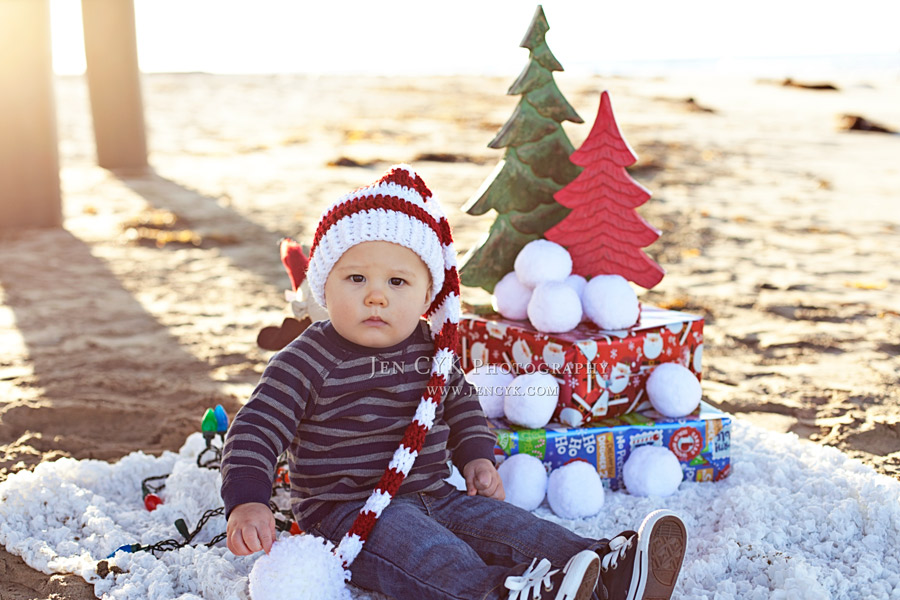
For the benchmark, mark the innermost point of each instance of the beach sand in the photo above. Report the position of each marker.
(778, 228)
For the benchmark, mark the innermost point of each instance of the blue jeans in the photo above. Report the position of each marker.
(456, 547)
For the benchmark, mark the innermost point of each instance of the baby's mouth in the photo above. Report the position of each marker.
(375, 320)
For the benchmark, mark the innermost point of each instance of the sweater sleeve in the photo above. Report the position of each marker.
(265, 426)
(470, 436)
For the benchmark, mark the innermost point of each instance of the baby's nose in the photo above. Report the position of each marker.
(376, 297)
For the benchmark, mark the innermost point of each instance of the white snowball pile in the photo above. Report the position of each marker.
(299, 567)
(673, 390)
(524, 480)
(491, 383)
(652, 471)
(531, 399)
(575, 490)
(543, 289)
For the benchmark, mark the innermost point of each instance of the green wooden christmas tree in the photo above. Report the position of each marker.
(534, 167)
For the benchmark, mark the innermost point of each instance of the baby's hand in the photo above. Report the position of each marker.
(483, 479)
(251, 528)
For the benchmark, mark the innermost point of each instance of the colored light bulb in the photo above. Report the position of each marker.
(126, 548)
(221, 419)
(295, 529)
(181, 526)
(209, 423)
(151, 501)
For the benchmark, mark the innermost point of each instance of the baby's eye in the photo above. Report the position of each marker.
(397, 281)
(357, 278)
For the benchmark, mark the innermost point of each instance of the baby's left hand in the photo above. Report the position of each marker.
(483, 479)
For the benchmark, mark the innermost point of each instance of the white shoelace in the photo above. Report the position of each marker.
(618, 546)
(530, 581)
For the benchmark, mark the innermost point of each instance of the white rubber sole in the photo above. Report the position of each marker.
(662, 541)
(582, 572)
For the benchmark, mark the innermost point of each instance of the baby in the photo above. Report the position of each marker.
(342, 396)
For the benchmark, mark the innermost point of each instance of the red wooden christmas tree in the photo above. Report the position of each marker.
(603, 233)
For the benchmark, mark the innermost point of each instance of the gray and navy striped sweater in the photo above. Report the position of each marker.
(340, 410)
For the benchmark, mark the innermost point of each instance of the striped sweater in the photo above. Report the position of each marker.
(340, 409)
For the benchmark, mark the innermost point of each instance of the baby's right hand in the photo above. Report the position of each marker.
(251, 528)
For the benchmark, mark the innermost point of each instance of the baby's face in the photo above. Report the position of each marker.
(376, 293)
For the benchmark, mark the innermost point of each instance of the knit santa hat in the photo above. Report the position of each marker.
(397, 208)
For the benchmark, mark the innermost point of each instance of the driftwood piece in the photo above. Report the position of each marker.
(820, 86)
(858, 123)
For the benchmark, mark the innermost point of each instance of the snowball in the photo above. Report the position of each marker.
(511, 297)
(674, 390)
(542, 260)
(524, 480)
(554, 307)
(575, 490)
(610, 302)
(300, 567)
(491, 382)
(531, 399)
(577, 283)
(652, 471)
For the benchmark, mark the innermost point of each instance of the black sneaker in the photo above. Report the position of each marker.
(576, 581)
(644, 565)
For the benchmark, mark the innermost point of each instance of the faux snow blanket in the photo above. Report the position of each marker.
(793, 521)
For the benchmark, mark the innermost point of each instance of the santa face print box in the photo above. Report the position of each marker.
(601, 373)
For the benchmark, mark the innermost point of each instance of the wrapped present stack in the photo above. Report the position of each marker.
(569, 339)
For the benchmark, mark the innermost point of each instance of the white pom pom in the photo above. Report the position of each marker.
(575, 490)
(554, 307)
(524, 480)
(511, 297)
(278, 575)
(491, 382)
(542, 260)
(652, 471)
(610, 302)
(577, 283)
(674, 390)
(531, 399)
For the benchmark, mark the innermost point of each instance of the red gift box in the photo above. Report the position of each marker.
(601, 373)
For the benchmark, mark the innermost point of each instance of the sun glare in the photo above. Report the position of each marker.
(471, 36)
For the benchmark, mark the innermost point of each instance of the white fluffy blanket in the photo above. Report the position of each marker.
(793, 521)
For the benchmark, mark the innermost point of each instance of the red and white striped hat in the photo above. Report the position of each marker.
(397, 208)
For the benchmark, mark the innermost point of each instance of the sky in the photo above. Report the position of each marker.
(479, 36)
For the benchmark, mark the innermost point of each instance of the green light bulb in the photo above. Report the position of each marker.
(209, 424)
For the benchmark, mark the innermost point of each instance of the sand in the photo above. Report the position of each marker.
(777, 227)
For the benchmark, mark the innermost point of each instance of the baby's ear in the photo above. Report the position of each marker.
(428, 299)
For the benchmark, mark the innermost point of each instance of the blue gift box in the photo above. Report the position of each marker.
(701, 442)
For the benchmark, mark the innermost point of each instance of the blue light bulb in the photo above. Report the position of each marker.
(221, 419)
